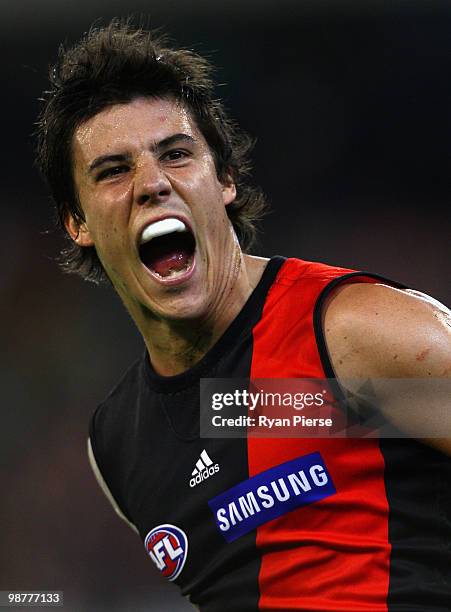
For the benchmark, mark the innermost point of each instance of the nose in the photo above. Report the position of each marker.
(152, 186)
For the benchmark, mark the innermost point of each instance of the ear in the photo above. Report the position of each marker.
(78, 231)
(228, 189)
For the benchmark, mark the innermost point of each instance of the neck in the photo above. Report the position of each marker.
(176, 346)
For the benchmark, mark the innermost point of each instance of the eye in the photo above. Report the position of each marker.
(110, 172)
(175, 155)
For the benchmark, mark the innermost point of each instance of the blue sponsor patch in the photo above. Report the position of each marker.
(271, 494)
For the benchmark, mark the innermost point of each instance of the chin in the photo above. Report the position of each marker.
(176, 305)
(186, 310)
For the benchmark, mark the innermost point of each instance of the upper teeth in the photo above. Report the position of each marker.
(160, 228)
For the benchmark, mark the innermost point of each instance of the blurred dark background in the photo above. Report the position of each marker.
(350, 103)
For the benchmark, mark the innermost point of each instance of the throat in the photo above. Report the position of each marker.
(177, 351)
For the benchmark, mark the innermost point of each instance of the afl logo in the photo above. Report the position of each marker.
(167, 546)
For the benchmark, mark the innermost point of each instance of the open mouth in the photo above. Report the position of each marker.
(167, 248)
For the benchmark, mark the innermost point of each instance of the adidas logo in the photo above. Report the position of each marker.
(203, 470)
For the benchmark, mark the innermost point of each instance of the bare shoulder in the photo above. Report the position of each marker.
(372, 329)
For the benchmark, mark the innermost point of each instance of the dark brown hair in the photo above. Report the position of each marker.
(116, 64)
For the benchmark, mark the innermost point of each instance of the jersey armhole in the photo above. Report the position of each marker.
(353, 277)
(102, 484)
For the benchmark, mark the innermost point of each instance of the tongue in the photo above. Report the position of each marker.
(170, 263)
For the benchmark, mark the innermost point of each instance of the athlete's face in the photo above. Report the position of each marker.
(138, 164)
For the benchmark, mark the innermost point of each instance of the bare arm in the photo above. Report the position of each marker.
(374, 331)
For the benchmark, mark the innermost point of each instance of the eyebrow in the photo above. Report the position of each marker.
(157, 147)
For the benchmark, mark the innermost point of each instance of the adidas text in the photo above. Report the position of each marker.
(203, 470)
(204, 475)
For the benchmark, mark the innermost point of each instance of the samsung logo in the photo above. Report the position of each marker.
(271, 494)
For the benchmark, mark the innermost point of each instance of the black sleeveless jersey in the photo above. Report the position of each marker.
(275, 524)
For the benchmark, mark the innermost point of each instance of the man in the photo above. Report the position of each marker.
(147, 172)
